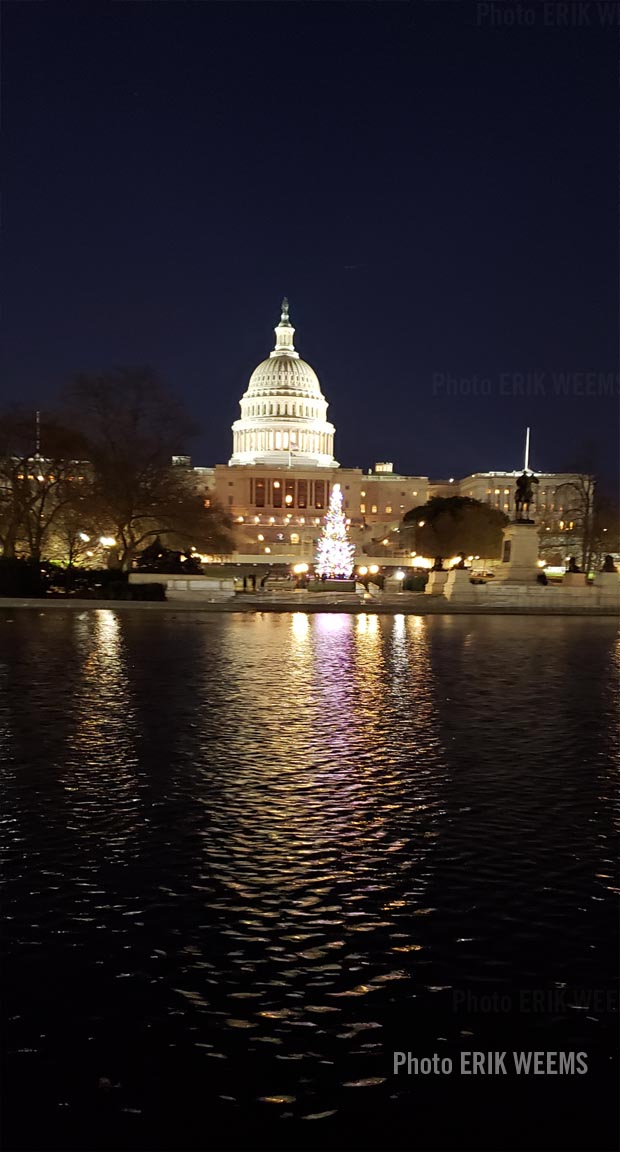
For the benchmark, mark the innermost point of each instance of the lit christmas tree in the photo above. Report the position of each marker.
(335, 552)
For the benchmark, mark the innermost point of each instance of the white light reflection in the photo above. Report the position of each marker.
(300, 627)
(101, 765)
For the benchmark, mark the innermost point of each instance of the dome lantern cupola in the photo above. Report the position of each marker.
(283, 411)
(284, 335)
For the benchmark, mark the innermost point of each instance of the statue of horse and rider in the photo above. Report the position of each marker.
(524, 495)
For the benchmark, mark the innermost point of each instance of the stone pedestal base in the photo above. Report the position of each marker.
(574, 580)
(392, 585)
(436, 583)
(459, 587)
(331, 586)
(608, 583)
(519, 554)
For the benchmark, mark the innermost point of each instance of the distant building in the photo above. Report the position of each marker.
(277, 483)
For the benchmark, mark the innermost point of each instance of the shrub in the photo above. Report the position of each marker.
(22, 577)
(415, 583)
(147, 592)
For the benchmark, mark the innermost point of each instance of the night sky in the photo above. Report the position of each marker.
(437, 196)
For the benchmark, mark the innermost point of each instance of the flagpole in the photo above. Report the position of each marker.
(527, 450)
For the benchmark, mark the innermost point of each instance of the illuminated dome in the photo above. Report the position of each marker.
(283, 412)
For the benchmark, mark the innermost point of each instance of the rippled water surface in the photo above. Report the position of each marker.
(246, 858)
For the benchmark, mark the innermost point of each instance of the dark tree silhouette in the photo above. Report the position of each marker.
(446, 526)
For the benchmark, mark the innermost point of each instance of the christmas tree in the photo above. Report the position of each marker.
(335, 552)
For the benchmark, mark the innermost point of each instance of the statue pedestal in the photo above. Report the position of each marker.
(392, 585)
(574, 580)
(436, 583)
(331, 586)
(459, 587)
(608, 582)
(519, 553)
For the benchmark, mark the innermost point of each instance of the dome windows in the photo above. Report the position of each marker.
(283, 388)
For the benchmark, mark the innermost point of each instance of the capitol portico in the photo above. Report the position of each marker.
(277, 483)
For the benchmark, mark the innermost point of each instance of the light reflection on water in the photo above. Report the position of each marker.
(299, 830)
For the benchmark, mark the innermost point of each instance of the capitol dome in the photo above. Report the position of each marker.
(283, 412)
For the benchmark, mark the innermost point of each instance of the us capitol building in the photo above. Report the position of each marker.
(277, 483)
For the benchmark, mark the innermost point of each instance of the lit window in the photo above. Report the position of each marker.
(294, 537)
(388, 508)
(362, 493)
(362, 508)
(373, 508)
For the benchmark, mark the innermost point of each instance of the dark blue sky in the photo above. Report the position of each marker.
(436, 196)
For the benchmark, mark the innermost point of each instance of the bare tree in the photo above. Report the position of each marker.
(41, 475)
(579, 495)
(132, 428)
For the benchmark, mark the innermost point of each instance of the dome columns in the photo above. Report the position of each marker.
(283, 411)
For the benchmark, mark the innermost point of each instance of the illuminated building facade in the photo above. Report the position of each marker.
(278, 481)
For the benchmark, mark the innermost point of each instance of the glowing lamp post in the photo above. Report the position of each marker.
(108, 542)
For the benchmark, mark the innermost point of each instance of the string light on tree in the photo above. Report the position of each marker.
(335, 552)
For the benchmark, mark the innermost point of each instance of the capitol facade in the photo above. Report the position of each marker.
(277, 483)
